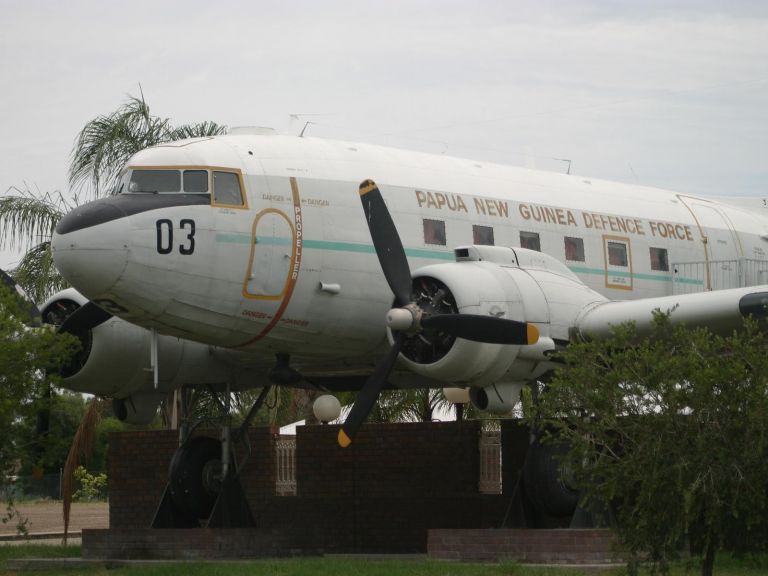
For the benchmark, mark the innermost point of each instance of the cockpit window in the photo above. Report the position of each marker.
(155, 181)
(196, 181)
(226, 189)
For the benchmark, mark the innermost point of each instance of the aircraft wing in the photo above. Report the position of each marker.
(721, 311)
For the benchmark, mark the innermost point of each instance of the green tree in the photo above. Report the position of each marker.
(48, 451)
(671, 432)
(25, 356)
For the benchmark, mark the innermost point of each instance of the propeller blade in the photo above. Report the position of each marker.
(369, 394)
(84, 318)
(487, 329)
(26, 305)
(387, 243)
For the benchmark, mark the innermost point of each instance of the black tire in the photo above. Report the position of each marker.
(192, 491)
(544, 484)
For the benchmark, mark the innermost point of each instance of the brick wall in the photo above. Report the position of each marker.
(382, 494)
(389, 460)
(559, 546)
(138, 472)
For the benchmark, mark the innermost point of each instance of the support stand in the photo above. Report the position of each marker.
(197, 474)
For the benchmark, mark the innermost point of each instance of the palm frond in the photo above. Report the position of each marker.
(81, 449)
(37, 274)
(412, 405)
(107, 142)
(194, 131)
(28, 218)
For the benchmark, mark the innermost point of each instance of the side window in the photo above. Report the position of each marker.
(482, 235)
(659, 259)
(617, 254)
(530, 240)
(574, 249)
(196, 181)
(434, 232)
(226, 189)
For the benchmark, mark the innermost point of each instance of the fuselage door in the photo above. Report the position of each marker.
(722, 246)
(617, 254)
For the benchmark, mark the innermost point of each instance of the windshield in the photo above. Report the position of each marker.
(155, 181)
(163, 182)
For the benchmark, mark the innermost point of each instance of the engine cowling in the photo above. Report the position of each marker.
(517, 284)
(114, 360)
(497, 398)
(137, 408)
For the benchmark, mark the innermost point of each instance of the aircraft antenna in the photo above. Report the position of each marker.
(307, 123)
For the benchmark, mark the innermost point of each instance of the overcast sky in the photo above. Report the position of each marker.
(664, 93)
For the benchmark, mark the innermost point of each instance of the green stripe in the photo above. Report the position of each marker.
(235, 238)
(639, 276)
(239, 238)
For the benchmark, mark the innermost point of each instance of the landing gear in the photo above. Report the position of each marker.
(545, 495)
(195, 477)
(204, 488)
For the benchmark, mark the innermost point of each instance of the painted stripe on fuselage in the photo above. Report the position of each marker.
(239, 238)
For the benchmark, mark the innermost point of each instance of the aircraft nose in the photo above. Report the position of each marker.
(90, 247)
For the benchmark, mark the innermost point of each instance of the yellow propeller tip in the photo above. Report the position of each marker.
(367, 186)
(343, 439)
(533, 334)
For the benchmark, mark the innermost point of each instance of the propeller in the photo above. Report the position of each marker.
(408, 317)
(27, 306)
(88, 316)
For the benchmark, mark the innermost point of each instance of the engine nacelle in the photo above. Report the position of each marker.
(137, 409)
(516, 284)
(497, 398)
(115, 360)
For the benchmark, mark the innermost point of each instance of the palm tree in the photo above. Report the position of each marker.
(27, 220)
(104, 145)
(410, 405)
(107, 142)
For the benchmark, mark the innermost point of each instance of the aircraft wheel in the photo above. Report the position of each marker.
(546, 485)
(195, 476)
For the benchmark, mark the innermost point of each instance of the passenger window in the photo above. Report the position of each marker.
(574, 249)
(659, 259)
(226, 189)
(617, 254)
(482, 235)
(530, 240)
(434, 232)
(196, 181)
(155, 181)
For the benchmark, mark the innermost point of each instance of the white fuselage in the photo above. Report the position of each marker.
(293, 270)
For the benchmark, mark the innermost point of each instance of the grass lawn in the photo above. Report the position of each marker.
(343, 567)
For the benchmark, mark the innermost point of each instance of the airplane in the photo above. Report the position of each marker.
(254, 258)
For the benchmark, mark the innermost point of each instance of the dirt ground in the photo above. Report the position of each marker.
(48, 517)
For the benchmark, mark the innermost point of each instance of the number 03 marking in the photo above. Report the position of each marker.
(164, 229)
